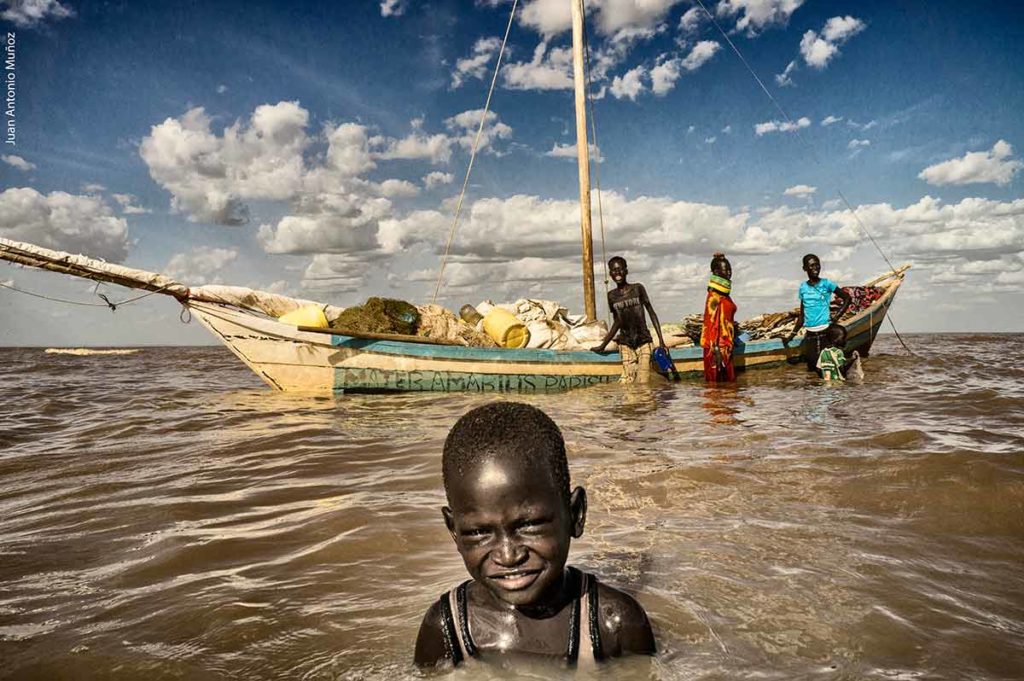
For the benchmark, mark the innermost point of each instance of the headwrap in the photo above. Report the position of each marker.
(720, 284)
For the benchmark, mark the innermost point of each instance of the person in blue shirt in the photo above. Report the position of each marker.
(815, 311)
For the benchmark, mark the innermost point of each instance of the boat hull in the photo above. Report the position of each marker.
(297, 360)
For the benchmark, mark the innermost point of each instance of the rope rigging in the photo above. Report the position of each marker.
(472, 156)
(106, 301)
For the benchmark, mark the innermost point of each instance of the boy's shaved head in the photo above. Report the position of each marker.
(837, 334)
(505, 430)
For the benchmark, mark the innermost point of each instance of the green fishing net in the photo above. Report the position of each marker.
(379, 315)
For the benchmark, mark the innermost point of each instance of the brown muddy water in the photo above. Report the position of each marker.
(164, 515)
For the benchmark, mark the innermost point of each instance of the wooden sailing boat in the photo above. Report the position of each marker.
(295, 358)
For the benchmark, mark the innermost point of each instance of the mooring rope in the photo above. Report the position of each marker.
(472, 156)
(888, 317)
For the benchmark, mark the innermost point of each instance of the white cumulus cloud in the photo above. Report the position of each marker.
(65, 222)
(210, 176)
(664, 76)
(819, 49)
(756, 15)
(629, 85)
(436, 179)
(417, 145)
(545, 71)
(691, 20)
(976, 167)
(475, 65)
(200, 266)
(615, 16)
(612, 17)
(701, 53)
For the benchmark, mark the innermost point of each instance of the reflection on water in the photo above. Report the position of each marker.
(163, 515)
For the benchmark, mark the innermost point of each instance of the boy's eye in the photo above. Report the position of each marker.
(533, 525)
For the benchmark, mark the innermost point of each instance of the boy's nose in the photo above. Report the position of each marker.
(509, 553)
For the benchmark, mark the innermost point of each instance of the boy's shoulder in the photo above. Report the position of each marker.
(623, 623)
(431, 648)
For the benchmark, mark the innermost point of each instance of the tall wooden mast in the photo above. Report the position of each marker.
(583, 156)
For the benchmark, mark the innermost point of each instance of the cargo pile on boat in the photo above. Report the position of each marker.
(533, 323)
(861, 298)
(440, 323)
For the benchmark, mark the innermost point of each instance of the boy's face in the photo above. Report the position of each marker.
(813, 268)
(513, 528)
(618, 271)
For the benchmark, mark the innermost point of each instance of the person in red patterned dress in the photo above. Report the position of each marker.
(717, 333)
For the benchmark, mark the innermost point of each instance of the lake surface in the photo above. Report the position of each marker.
(165, 515)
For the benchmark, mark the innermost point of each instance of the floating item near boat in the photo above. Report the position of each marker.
(506, 329)
(308, 315)
(662, 359)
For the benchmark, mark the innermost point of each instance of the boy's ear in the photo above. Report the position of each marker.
(578, 511)
(449, 522)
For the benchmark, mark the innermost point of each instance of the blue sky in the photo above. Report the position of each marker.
(316, 149)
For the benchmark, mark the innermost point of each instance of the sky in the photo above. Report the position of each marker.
(317, 149)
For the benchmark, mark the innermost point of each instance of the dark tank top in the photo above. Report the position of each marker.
(458, 640)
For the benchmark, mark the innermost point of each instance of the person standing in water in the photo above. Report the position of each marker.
(717, 335)
(627, 303)
(815, 311)
(833, 364)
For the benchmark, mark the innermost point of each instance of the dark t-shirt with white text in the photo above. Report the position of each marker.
(627, 306)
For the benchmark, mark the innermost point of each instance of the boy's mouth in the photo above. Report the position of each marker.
(514, 580)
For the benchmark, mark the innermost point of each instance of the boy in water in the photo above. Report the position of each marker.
(832, 363)
(512, 517)
(815, 311)
(627, 303)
